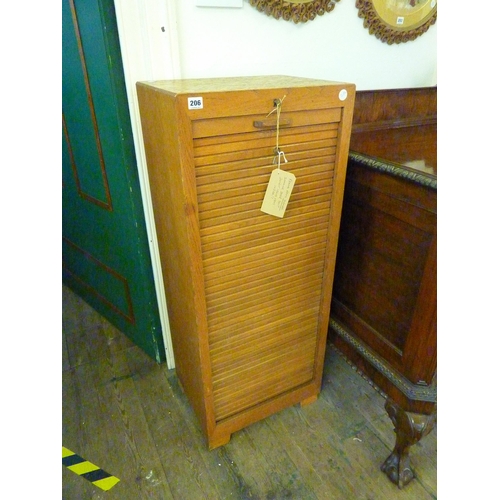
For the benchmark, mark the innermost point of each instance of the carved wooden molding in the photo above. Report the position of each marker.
(383, 31)
(394, 169)
(426, 393)
(296, 11)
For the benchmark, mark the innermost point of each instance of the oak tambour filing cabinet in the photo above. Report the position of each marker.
(248, 293)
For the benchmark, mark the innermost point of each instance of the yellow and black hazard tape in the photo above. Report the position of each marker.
(89, 471)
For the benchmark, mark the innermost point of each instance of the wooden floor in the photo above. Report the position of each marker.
(127, 414)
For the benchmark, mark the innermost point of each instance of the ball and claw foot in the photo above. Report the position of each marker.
(410, 428)
(398, 469)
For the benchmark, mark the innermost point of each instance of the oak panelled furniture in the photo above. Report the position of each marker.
(383, 315)
(248, 294)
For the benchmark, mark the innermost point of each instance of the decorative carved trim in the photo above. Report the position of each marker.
(298, 11)
(360, 372)
(385, 33)
(394, 169)
(412, 391)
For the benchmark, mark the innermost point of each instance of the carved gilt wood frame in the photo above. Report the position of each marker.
(391, 32)
(298, 11)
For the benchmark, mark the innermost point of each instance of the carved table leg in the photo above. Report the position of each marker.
(410, 428)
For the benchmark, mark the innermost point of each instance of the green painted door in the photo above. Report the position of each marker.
(105, 250)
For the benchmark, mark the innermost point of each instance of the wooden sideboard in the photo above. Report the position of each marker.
(384, 304)
(248, 293)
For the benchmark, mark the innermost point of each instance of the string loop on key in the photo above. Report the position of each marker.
(277, 151)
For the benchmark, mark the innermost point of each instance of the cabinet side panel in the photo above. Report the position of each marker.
(422, 338)
(163, 156)
(340, 170)
(386, 238)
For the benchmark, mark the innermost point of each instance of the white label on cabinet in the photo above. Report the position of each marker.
(278, 193)
(195, 102)
(343, 95)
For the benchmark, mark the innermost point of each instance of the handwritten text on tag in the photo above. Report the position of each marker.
(278, 193)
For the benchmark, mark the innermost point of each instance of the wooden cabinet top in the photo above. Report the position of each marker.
(245, 83)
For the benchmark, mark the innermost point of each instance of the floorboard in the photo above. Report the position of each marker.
(128, 415)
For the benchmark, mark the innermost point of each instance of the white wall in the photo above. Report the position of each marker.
(243, 41)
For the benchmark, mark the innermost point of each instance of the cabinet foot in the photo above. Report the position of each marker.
(221, 440)
(410, 428)
(309, 400)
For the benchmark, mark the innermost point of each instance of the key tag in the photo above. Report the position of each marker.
(281, 182)
(278, 190)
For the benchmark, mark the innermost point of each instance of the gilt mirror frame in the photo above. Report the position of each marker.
(298, 11)
(397, 21)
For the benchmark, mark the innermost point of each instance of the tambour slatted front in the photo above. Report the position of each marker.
(248, 293)
(253, 363)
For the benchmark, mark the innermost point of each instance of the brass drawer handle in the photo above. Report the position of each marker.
(271, 123)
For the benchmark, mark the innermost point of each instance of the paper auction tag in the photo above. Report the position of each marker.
(278, 192)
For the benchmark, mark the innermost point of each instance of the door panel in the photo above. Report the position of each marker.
(105, 246)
